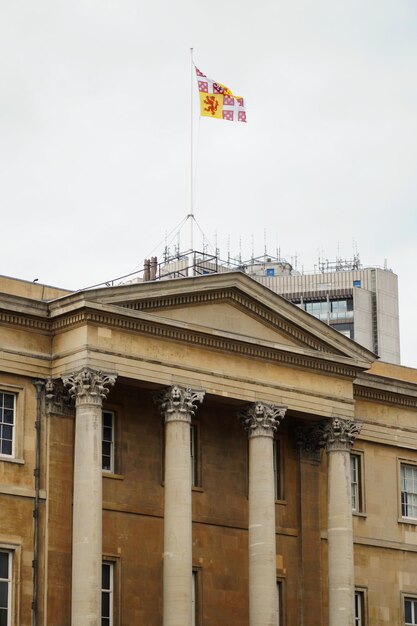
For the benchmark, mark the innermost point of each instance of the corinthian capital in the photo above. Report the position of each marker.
(261, 420)
(178, 404)
(339, 434)
(88, 386)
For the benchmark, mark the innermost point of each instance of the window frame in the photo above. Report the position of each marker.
(359, 455)
(112, 455)
(9, 583)
(110, 591)
(196, 595)
(195, 454)
(19, 394)
(403, 462)
(405, 597)
(15, 552)
(278, 468)
(362, 619)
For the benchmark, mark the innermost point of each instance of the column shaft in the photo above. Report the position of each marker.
(87, 518)
(262, 548)
(261, 421)
(338, 435)
(340, 539)
(88, 388)
(177, 577)
(177, 405)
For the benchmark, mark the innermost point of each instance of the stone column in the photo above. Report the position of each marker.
(177, 405)
(88, 388)
(261, 421)
(338, 436)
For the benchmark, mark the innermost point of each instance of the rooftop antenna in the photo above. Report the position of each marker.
(265, 252)
(228, 249)
(240, 250)
(253, 245)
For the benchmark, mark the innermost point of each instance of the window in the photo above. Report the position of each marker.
(410, 611)
(359, 608)
(347, 330)
(5, 588)
(319, 309)
(195, 477)
(277, 468)
(107, 586)
(356, 482)
(194, 599)
(108, 441)
(279, 602)
(7, 423)
(409, 491)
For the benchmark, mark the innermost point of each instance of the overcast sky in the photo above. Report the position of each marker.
(95, 135)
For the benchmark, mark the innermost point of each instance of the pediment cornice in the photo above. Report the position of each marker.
(153, 325)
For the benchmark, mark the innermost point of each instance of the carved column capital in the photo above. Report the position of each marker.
(339, 434)
(260, 419)
(88, 386)
(58, 399)
(178, 404)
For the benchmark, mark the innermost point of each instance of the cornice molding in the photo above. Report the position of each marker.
(22, 320)
(199, 338)
(384, 396)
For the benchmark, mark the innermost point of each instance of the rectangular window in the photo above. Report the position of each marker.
(107, 587)
(195, 478)
(409, 491)
(356, 482)
(279, 603)
(410, 611)
(277, 468)
(359, 608)
(108, 441)
(7, 423)
(194, 600)
(5, 588)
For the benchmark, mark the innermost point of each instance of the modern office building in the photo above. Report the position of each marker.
(360, 302)
(200, 452)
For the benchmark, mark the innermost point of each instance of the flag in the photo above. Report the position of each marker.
(217, 101)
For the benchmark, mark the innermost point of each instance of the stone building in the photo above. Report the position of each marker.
(200, 452)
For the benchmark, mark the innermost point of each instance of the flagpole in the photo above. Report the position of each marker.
(191, 215)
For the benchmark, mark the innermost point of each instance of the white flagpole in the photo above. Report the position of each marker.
(191, 214)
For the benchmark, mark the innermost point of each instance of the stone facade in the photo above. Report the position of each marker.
(221, 451)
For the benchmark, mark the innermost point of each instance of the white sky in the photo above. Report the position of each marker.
(95, 139)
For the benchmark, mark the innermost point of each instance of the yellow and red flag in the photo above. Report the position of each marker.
(217, 101)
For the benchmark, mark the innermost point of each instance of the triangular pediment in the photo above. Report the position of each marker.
(232, 305)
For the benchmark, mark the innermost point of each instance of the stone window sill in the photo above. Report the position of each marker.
(359, 514)
(113, 476)
(407, 520)
(11, 459)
